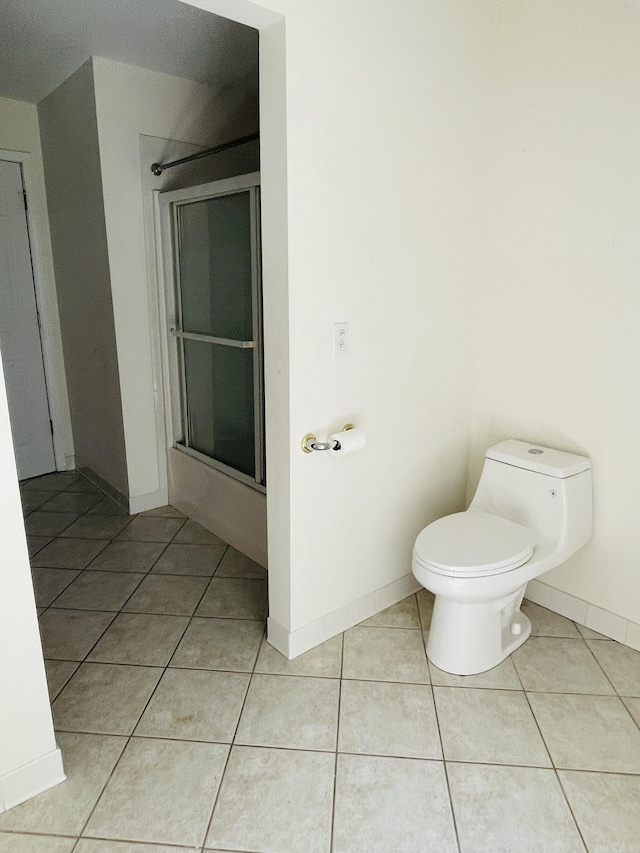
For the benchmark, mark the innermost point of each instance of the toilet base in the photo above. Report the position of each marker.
(469, 638)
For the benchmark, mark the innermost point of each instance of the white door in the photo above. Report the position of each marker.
(20, 343)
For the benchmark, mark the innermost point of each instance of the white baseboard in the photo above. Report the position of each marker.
(606, 623)
(31, 779)
(141, 503)
(294, 643)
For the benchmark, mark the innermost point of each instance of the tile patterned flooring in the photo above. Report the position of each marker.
(182, 729)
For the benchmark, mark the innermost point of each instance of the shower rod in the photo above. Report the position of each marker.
(158, 168)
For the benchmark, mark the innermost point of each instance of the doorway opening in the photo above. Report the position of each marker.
(20, 334)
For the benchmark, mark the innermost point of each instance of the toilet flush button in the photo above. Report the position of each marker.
(516, 628)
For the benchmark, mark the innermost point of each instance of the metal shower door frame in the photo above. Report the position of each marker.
(178, 426)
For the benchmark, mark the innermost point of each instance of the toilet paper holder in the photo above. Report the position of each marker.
(310, 443)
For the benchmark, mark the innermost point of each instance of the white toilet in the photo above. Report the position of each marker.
(531, 511)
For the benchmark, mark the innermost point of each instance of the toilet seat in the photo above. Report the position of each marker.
(473, 544)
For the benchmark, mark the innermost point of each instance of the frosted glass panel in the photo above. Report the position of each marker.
(215, 266)
(220, 403)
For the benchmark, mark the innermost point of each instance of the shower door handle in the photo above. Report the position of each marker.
(210, 339)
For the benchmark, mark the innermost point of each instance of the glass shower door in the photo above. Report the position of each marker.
(216, 329)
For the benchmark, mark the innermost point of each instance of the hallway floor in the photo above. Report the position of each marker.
(182, 729)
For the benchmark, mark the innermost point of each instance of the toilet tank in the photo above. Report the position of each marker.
(547, 490)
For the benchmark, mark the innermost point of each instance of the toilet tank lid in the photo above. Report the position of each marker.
(536, 457)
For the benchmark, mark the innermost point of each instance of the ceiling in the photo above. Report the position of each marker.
(42, 42)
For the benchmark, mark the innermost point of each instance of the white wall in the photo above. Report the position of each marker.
(131, 102)
(29, 758)
(20, 132)
(559, 357)
(382, 127)
(74, 194)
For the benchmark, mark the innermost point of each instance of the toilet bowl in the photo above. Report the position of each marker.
(531, 511)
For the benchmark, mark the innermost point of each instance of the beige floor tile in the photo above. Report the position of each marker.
(391, 804)
(148, 529)
(54, 482)
(237, 565)
(107, 506)
(491, 726)
(99, 590)
(48, 523)
(588, 634)
(379, 718)
(226, 644)
(404, 614)
(79, 502)
(128, 556)
(620, 663)
(68, 553)
(97, 526)
(235, 598)
(49, 583)
(195, 534)
(33, 499)
(546, 623)
(501, 677)
(633, 706)
(58, 673)
(425, 600)
(37, 543)
(547, 664)
(93, 845)
(167, 594)
(511, 808)
(195, 704)
(588, 732)
(164, 512)
(70, 634)
(294, 712)
(385, 654)
(173, 805)
(17, 843)
(606, 807)
(64, 809)
(323, 661)
(274, 800)
(140, 638)
(105, 698)
(190, 560)
(81, 484)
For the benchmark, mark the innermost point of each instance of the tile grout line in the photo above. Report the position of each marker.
(114, 572)
(435, 709)
(130, 736)
(601, 668)
(233, 743)
(31, 556)
(165, 668)
(553, 764)
(332, 827)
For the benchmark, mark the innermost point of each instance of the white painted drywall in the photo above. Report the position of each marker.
(131, 102)
(20, 132)
(26, 728)
(74, 194)
(559, 359)
(382, 127)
